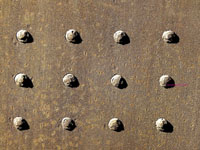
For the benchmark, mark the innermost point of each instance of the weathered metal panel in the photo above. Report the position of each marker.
(94, 61)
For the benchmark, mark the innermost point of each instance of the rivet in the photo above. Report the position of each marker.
(68, 124)
(166, 81)
(73, 36)
(20, 123)
(118, 81)
(163, 125)
(116, 125)
(160, 123)
(170, 37)
(121, 37)
(24, 36)
(70, 80)
(22, 80)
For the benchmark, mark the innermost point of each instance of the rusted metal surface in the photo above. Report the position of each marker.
(94, 61)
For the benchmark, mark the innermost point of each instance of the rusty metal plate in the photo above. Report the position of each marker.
(94, 61)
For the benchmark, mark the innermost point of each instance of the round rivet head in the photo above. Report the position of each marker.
(121, 37)
(73, 36)
(118, 81)
(20, 123)
(170, 37)
(70, 80)
(161, 124)
(165, 81)
(23, 36)
(115, 124)
(164, 126)
(21, 79)
(68, 124)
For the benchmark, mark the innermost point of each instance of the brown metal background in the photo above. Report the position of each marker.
(94, 61)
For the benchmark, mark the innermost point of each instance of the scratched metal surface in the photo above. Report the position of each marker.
(94, 61)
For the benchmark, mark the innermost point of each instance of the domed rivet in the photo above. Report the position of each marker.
(163, 125)
(166, 81)
(24, 36)
(70, 80)
(118, 81)
(73, 36)
(20, 123)
(22, 80)
(160, 124)
(170, 37)
(116, 125)
(121, 37)
(68, 124)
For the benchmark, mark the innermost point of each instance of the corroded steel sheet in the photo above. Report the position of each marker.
(94, 61)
